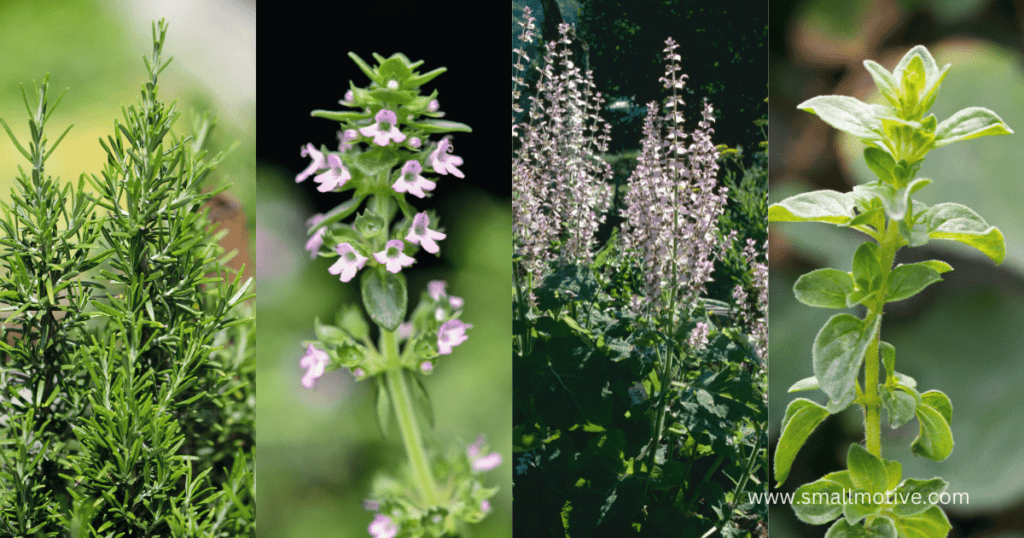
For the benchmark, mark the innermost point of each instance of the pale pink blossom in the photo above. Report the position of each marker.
(319, 163)
(315, 361)
(384, 128)
(450, 334)
(482, 462)
(443, 161)
(420, 234)
(349, 262)
(383, 527)
(392, 256)
(335, 177)
(411, 181)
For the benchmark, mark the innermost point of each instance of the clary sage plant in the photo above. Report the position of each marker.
(385, 155)
(871, 497)
(127, 368)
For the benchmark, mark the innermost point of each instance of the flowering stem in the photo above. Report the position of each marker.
(872, 402)
(401, 397)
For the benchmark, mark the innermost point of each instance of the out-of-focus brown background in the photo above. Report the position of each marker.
(963, 336)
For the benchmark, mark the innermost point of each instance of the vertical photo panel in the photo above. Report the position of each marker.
(639, 199)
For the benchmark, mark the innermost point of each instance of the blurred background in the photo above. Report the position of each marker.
(963, 336)
(319, 450)
(95, 49)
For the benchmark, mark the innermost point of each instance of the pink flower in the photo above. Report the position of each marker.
(349, 262)
(433, 105)
(334, 177)
(315, 361)
(426, 367)
(450, 334)
(482, 462)
(384, 130)
(317, 240)
(383, 527)
(318, 163)
(423, 236)
(392, 256)
(443, 161)
(349, 98)
(412, 182)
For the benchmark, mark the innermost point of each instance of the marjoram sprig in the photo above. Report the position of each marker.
(383, 156)
(870, 497)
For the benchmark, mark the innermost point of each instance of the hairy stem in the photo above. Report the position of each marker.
(398, 387)
(872, 402)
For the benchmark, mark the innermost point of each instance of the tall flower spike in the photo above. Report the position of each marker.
(335, 177)
(412, 182)
(423, 236)
(392, 256)
(443, 161)
(314, 361)
(318, 163)
(384, 129)
(349, 262)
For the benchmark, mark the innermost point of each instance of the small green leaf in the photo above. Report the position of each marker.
(899, 405)
(387, 95)
(385, 297)
(802, 417)
(881, 163)
(907, 280)
(939, 266)
(365, 68)
(824, 288)
(866, 469)
(935, 440)
(881, 527)
(440, 126)
(807, 383)
(839, 351)
(339, 116)
(911, 498)
(866, 265)
(819, 502)
(846, 114)
(973, 122)
(369, 224)
(894, 471)
(394, 68)
(931, 524)
(888, 353)
(420, 80)
(886, 83)
(376, 161)
(818, 206)
(960, 223)
(938, 400)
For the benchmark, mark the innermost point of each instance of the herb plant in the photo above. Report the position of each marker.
(126, 353)
(638, 411)
(870, 497)
(385, 157)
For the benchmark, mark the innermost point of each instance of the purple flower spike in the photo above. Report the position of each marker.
(319, 163)
(412, 182)
(349, 262)
(451, 334)
(384, 130)
(423, 236)
(383, 527)
(443, 161)
(392, 256)
(333, 178)
(315, 361)
(482, 462)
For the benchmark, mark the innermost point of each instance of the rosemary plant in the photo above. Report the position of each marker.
(870, 497)
(126, 355)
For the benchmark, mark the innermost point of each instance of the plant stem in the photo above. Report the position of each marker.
(401, 397)
(872, 402)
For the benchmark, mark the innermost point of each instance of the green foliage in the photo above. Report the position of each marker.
(898, 136)
(127, 352)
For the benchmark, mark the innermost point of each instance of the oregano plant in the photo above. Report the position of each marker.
(127, 350)
(871, 497)
(384, 162)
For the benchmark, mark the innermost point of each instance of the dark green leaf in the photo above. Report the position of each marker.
(385, 297)
(909, 279)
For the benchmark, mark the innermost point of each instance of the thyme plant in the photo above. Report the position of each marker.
(871, 497)
(126, 353)
(384, 152)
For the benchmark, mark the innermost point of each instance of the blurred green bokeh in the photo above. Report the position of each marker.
(319, 450)
(963, 336)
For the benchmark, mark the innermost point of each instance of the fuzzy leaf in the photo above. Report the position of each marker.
(802, 417)
(839, 351)
(385, 297)
(933, 523)
(934, 440)
(909, 279)
(972, 122)
(440, 126)
(846, 114)
(881, 527)
(824, 288)
(912, 496)
(819, 206)
(960, 223)
(813, 503)
(867, 471)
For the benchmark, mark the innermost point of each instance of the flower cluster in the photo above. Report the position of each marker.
(754, 313)
(559, 184)
(674, 201)
(383, 153)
